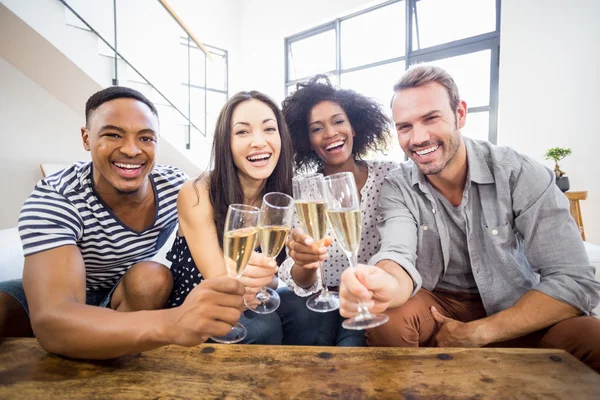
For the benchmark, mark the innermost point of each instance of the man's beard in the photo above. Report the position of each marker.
(453, 146)
(450, 148)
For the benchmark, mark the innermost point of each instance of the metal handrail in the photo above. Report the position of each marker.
(117, 54)
(185, 28)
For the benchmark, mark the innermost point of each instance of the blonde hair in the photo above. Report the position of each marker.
(421, 74)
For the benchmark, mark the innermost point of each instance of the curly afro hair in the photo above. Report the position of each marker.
(367, 118)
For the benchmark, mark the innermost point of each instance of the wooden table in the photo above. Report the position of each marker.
(289, 372)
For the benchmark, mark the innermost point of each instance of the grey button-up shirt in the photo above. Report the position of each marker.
(520, 234)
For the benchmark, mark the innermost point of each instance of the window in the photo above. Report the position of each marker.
(373, 36)
(374, 82)
(313, 55)
(205, 87)
(441, 21)
(368, 51)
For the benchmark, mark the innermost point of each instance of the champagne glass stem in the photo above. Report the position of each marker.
(323, 282)
(363, 311)
(263, 296)
(325, 300)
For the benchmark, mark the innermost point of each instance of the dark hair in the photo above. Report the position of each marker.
(224, 184)
(366, 115)
(113, 93)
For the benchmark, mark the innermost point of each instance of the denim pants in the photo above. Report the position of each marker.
(100, 297)
(261, 328)
(303, 327)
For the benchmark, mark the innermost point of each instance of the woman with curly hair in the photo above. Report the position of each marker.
(332, 131)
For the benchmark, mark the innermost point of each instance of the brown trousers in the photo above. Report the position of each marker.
(412, 325)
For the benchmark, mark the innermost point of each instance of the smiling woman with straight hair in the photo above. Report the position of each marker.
(251, 156)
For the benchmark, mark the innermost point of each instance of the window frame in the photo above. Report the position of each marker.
(486, 41)
(215, 52)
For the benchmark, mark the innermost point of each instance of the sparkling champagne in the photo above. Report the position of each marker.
(237, 248)
(312, 218)
(272, 238)
(347, 225)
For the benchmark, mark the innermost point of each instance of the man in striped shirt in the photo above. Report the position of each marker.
(88, 233)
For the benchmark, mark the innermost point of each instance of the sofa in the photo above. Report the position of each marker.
(11, 256)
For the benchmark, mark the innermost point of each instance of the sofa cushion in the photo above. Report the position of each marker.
(52, 168)
(11, 255)
(12, 259)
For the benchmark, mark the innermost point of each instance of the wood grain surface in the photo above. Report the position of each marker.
(290, 372)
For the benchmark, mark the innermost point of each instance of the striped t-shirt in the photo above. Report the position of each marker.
(64, 209)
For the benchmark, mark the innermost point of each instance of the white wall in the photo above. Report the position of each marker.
(253, 32)
(265, 25)
(29, 129)
(36, 127)
(218, 23)
(42, 101)
(149, 39)
(550, 89)
(47, 17)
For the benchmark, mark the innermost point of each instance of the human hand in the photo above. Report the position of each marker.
(210, 309)
(370, 284)
(259, 272)
(305, 252)
(453, 333)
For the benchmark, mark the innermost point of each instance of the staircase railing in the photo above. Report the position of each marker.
(187, 115)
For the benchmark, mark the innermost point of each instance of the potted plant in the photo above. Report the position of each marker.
(557, 154)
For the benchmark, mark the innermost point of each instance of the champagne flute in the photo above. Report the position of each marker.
(239, 239)
(345, 217)
(276, 213)
(309, 194)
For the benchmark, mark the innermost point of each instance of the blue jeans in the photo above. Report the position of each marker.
(304, 327)
(100, 297)
(262, 328)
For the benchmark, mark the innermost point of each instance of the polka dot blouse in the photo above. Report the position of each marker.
(369, 244)
(185, 274)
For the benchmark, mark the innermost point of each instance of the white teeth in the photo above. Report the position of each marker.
(128, 166)
(335, 144)
(427, 151)
(259, 157)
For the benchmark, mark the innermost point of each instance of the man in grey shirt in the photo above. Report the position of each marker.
(478, 246)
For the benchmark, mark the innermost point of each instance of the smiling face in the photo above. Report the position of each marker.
(428, 130)
(255, 140)
(330, 133)
(122, 138)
